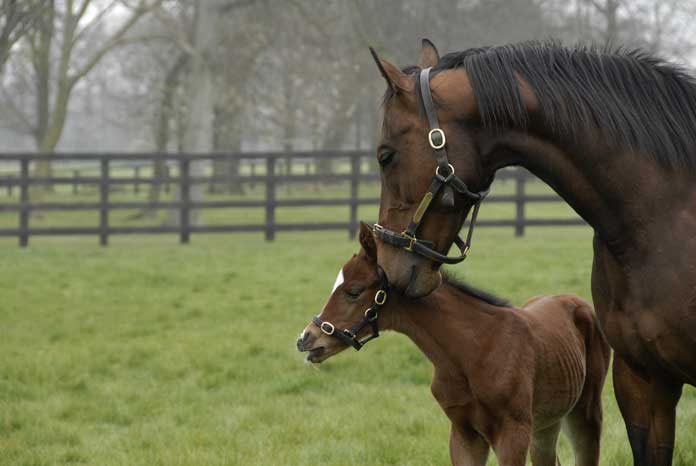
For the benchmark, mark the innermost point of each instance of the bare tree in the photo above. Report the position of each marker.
(62, 50)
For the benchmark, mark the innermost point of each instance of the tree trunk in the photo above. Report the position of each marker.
(226, 139)
(198, 133)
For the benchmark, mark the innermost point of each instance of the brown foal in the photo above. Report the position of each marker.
(507, 378)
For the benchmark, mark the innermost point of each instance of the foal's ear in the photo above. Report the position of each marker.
(367, 241)
(428, 54)
(397, 79)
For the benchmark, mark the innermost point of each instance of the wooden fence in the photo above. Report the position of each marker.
(267, 169)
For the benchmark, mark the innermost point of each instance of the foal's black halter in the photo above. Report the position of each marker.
(444, 177)
(349, 337)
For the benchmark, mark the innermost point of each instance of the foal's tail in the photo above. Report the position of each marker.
(597, 354)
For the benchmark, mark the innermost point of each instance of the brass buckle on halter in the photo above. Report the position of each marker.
(380, 297)
(331, 327)
(412, 240)
(375, 228)
(434, 144)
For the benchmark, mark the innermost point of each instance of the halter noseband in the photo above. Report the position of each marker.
(349, 337)
(444, 178)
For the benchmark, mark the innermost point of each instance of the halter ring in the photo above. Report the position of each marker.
(380, 297)
(433, 144)
(330, 326)
(445, 179)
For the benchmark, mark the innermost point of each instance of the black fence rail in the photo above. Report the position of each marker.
(268, 169)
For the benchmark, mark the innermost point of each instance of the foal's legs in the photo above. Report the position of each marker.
(467, 447)
(648, 405)
(583, 425)
(544, 446)
(512, 443)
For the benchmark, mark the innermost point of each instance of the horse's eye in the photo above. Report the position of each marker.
(385, 156)
(354, 293)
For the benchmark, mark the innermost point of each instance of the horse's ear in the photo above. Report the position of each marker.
(428, 54)
(397, 79)
(367, 241)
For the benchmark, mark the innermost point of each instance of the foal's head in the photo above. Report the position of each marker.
(354, 292)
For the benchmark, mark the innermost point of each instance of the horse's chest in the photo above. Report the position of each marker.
(651, 322)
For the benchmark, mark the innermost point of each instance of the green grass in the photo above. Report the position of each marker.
(151, 353)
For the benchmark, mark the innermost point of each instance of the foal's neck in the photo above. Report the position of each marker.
(444, 325)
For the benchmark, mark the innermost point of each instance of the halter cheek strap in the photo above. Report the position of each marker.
(444, 178)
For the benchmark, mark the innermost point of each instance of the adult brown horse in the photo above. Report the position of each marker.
(507, 378)
(614, 133)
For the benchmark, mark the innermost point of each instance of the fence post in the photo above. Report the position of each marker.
(252, 167)
(520, 180)
(75, 174)
(354, 183)
(24, 203)
(9, 185)
(270, 198)
(166, 173)
(104, 202)
(185, 191)
(136, 182)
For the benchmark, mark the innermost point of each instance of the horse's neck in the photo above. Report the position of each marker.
(443, 325)
(616, 192)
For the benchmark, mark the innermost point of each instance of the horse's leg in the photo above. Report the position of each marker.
(648, 405)
(467, 447)
(544, 446)
(512, 443)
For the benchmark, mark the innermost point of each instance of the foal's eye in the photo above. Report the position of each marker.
(385, 156)
(354, 293)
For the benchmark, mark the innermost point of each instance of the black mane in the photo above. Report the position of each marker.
(484, 296)
(636, 100)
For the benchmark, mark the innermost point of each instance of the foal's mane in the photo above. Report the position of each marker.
(637, 100)
(485, 296)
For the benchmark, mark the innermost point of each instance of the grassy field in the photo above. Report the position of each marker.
(151, 353)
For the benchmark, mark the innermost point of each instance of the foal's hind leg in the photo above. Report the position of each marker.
(648, 405)
(583, 425)
(467, 447)
(544, 446)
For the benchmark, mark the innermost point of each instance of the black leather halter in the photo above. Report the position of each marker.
(349, 337)
(444, 179)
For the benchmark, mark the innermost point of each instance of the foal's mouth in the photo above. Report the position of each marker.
(315, 354)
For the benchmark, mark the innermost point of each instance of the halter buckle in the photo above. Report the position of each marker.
(411, 241)
(330, 326)
(380, 297)
(440, 134)
(444, 179)
(375, 228)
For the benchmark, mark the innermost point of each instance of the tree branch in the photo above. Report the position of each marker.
(111, 43)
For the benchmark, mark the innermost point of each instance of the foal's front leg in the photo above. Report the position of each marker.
(467, 447)
(511, 442)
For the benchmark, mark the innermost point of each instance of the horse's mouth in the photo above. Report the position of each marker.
(315, 354)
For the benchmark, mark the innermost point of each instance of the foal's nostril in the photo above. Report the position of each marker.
(303, 341)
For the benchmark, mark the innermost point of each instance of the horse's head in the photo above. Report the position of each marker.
(358, 294)
(409, 156)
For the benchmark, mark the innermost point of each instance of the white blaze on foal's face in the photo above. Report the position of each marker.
(338, 282)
